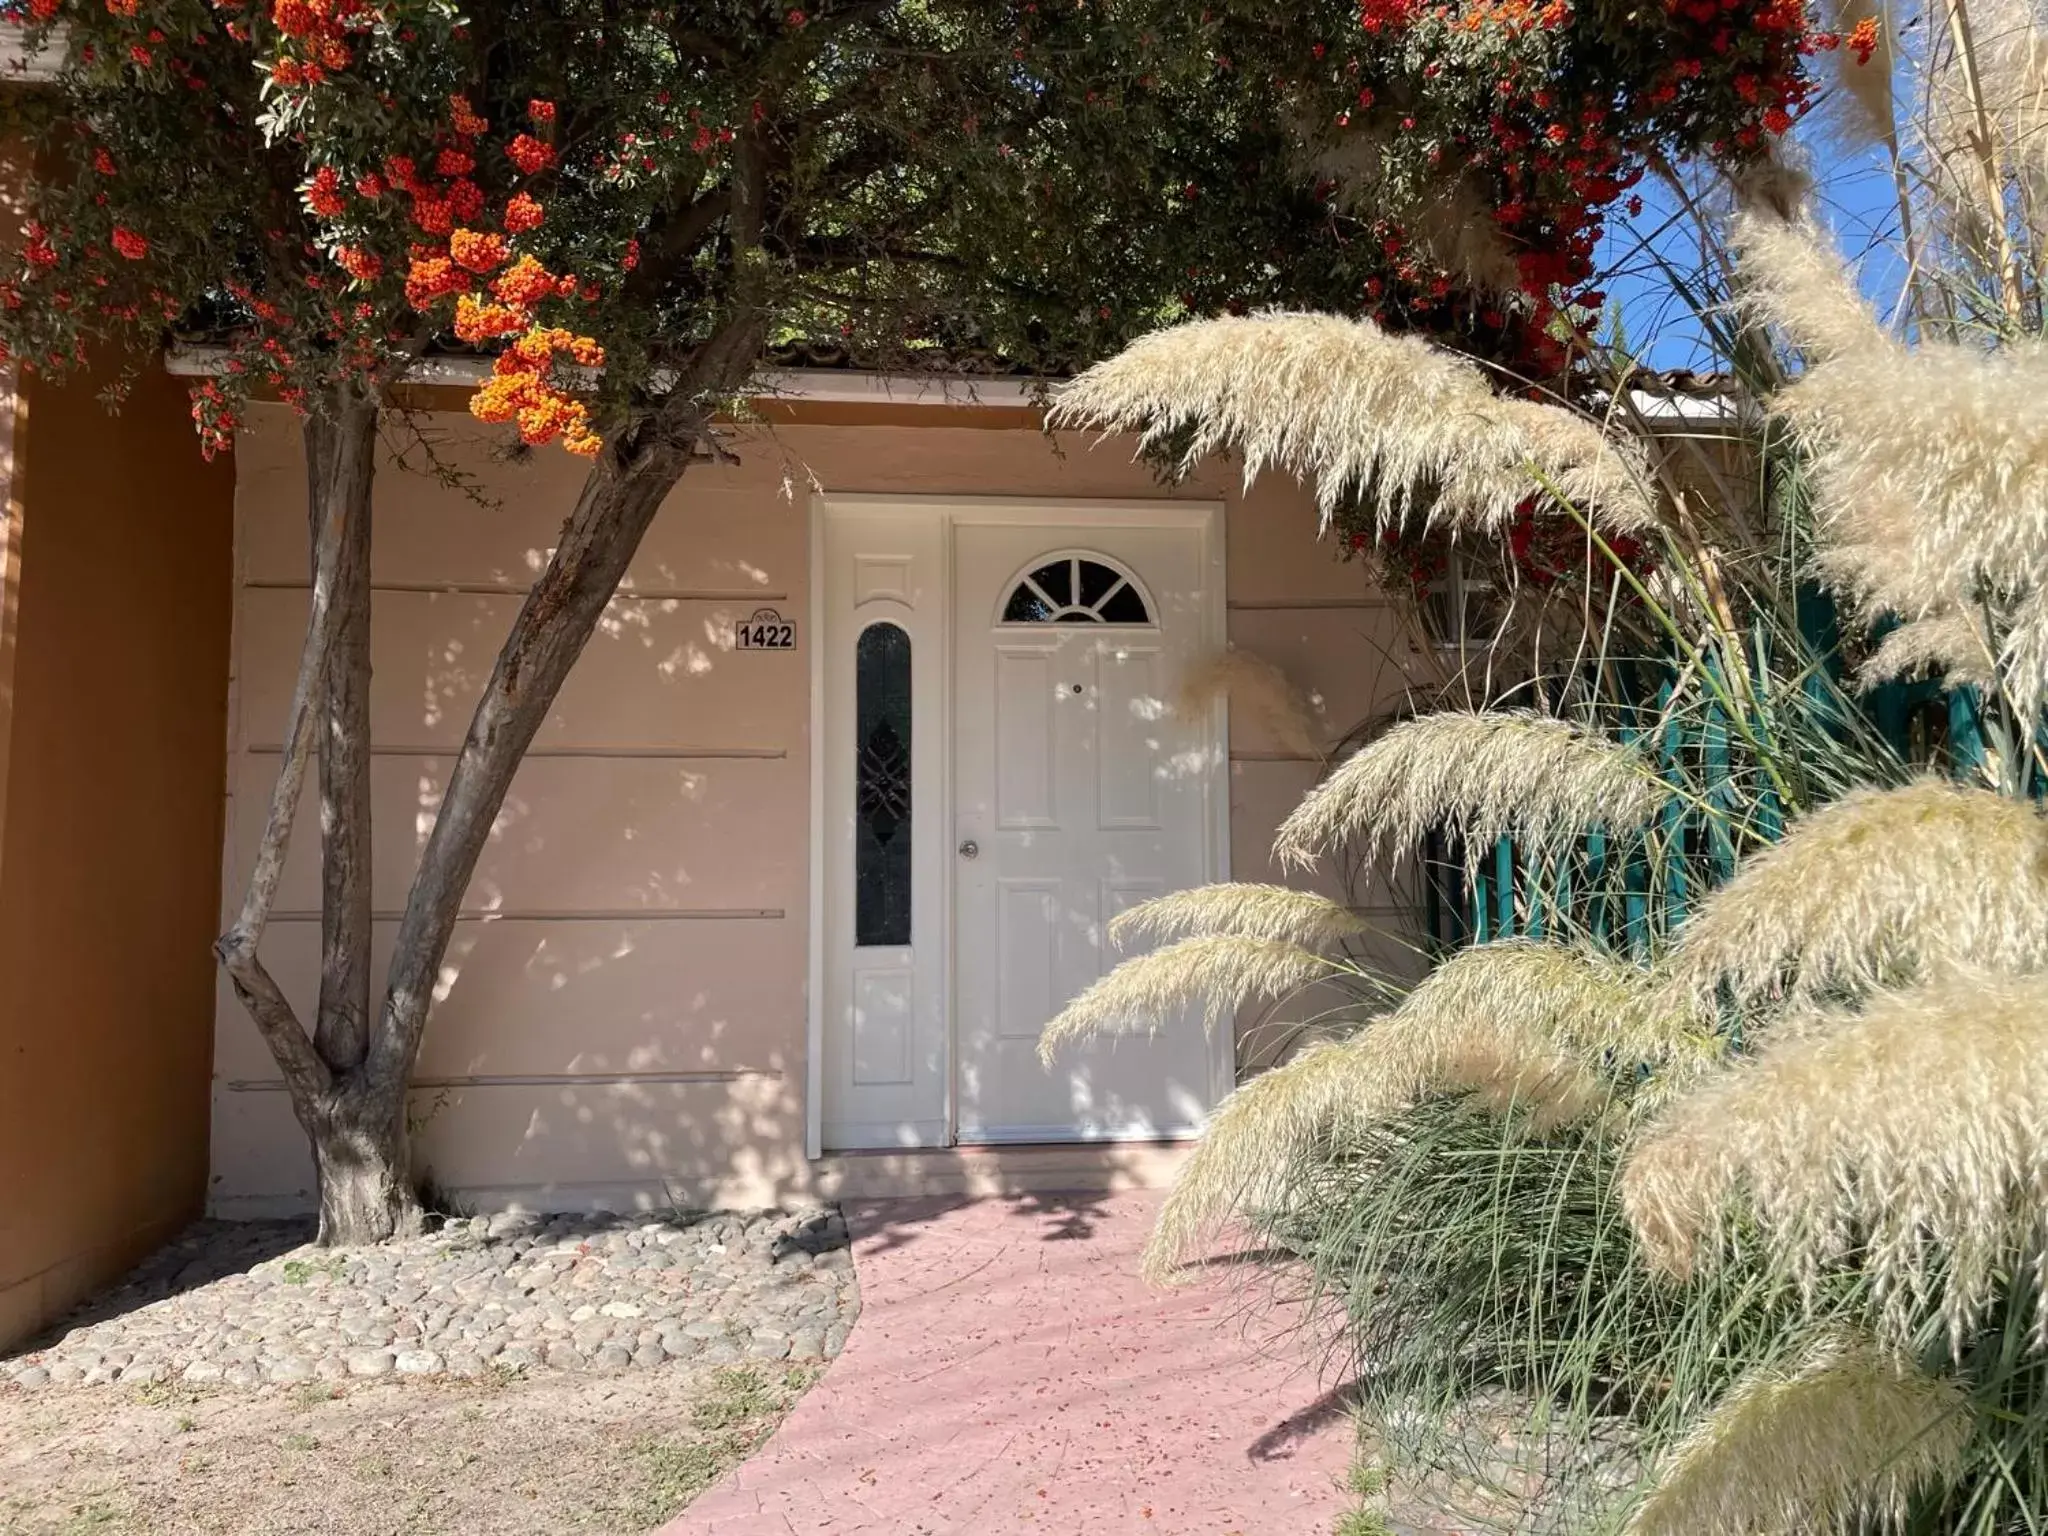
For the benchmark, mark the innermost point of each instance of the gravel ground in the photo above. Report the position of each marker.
(243, 1304)
(543, 1454)
(496, 1377)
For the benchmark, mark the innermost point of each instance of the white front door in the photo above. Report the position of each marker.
(1077, 792)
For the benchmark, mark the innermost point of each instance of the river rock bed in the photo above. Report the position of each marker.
(244, 1304)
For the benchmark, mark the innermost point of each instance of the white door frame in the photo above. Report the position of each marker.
(951, 512)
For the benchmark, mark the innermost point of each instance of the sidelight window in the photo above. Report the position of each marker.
(881, 854)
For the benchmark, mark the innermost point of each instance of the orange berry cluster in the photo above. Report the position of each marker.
(497, 295)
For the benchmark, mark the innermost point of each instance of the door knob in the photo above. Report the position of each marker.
(970, 849)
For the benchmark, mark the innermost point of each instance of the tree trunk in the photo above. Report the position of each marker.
(358, 1130)
(339, 453)
(618, 501)
(364, 1163)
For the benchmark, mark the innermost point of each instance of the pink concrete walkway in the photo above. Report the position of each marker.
(1010, 1373)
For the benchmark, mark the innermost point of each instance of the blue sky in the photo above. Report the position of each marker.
(1855, 197)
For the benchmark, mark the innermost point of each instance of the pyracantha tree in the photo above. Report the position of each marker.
(1470, 151)
(623, 204)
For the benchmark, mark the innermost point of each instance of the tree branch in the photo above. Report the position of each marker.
(305, 1074)
(618, 501)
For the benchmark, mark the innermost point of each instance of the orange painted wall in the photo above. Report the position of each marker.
(113, 729)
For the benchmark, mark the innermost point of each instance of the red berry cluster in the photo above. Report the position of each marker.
(1543, 113)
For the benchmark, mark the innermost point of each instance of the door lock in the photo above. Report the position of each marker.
(970, 849)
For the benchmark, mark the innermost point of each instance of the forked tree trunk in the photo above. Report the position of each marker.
(348, 1077)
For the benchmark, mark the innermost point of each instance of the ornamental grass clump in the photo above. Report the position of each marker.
(1714, 1180)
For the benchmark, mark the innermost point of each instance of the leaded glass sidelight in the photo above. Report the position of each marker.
(1075, 590)
(881, 846)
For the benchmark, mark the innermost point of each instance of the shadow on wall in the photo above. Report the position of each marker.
(620, 1018)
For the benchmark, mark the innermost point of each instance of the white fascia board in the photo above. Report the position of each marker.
(830, 385)
(1655, 406)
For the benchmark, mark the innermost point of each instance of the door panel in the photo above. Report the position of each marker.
(1079, 793)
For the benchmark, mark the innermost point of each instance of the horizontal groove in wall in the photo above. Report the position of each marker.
(520, 589)
(540, 1080)
(1274, 757)
(653, 754)
(1292, 604)
(586, 915)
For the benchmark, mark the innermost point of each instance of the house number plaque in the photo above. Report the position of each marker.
(764, 630)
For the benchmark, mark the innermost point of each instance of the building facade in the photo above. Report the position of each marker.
(884, 726)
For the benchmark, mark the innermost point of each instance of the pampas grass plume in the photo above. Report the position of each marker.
(1910, 1140)
(1947, 643)
(1879, 886)
(1844, 1437)
(1352, 409)
(1249, 911)
(1929, 464)
(1485, 773)
(1256, 687)
(1216, 973)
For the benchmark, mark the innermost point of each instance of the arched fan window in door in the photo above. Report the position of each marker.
(881, 846)
(1076, 589)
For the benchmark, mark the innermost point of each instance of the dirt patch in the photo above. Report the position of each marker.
(501, 1456)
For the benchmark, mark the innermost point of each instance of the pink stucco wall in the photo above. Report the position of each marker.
(623, 1017)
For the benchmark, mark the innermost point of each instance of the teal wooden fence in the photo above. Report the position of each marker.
(1621, 897)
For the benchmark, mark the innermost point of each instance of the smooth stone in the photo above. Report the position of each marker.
(369, 1362)
(416, 1362)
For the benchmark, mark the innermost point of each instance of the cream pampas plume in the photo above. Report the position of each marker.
(1871, 890)
(1844, 1437)
(1929, 464)
(1526, 1027)
(1910, 1141)
(1216, 974)
(1275, 912)
(1254, 687)
(2002, 86)
(1354, 410)
(1484, 774)
(1949, 643)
